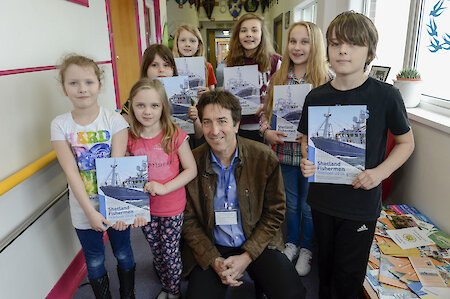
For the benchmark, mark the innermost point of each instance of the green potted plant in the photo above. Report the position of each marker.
(408, 82)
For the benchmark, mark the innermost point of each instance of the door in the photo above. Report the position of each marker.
(278, 33)
(212, 47)
(123, 20)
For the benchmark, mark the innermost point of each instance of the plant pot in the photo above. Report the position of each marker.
(410, 91)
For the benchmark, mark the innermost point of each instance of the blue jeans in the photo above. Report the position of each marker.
(297, 210)
(94, 250)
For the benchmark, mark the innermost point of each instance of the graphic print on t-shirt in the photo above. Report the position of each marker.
(87, 146)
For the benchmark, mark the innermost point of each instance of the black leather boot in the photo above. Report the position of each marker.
(100, 286)
(126, 280)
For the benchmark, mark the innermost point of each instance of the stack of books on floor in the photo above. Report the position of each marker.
(410, 256)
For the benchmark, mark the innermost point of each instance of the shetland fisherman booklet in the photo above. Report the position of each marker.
(194, 69)
(181, 97)
(120, 184)
(287, 108)
(243, 82)
(337, 142)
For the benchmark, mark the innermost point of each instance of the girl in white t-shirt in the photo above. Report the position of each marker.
(79, 137)
(155, 135)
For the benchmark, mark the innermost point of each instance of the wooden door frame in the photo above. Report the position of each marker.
(209, 46)
(278, 19)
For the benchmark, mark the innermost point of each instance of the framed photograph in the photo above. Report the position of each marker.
(287, 19)
(379, 72)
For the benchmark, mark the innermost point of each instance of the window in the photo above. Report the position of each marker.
(415, 34)
(306, 11)
(433, 53)
(391, 41)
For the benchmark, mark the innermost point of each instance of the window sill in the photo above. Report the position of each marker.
(424, 115)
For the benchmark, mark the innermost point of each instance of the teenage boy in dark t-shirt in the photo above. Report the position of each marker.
(344, 216)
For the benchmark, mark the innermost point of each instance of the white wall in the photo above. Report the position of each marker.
(423, 181)
(36, 34)
(43, 252)
(177, 16)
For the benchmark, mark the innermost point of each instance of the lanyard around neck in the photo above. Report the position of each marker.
(227, 182)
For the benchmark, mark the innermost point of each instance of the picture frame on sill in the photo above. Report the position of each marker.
(379, 72)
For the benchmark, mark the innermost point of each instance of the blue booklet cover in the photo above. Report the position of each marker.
(337, 142)
(287, 109)
(120, 184)
(181, 97)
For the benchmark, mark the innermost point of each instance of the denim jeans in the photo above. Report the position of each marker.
(94, 250)
(298, 212)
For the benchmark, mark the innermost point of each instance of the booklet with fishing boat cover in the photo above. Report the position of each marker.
(337, 142)
(287, 109)
(181, 97)
(243, 82)
(120, 184)
(194, 69)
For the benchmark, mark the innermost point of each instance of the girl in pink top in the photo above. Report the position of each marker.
(155, 135)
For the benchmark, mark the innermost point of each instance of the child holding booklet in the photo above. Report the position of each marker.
(303, 61)
(250, 44)
(78, 137)
(188, 42)
(157, 61)
(344, 216)
(155, 135)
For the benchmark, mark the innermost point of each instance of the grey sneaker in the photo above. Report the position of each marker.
(290, 251)
(303, 265)
(163, 295)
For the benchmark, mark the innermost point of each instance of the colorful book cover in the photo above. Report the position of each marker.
(337, 142)
(194, 69)
(385, 276)
(402, 221)
(417, 288)
(409, 237)
(394, 249)
(426, 271)
(243, 82)
(440, 238)
(405, 273)
(288, 103)
(396, 209)
(120, 188)
(181, 97)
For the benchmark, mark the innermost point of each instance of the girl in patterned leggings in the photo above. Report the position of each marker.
(154, 134)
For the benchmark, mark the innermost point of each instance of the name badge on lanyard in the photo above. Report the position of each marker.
(228, 217)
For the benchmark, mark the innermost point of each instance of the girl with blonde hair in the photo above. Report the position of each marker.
(304, 61)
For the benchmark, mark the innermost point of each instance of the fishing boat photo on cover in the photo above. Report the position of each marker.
(181, 97)
(337, 142)
(287, 109)
(120, 188)
(243, 82)
(194, 69)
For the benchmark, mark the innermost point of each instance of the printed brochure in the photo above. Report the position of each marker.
(194, 69)
(181, 97)
(120, 188)
(337, 142)
(287, 109)
(243, 82)
(409, 237)
(427, 273)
